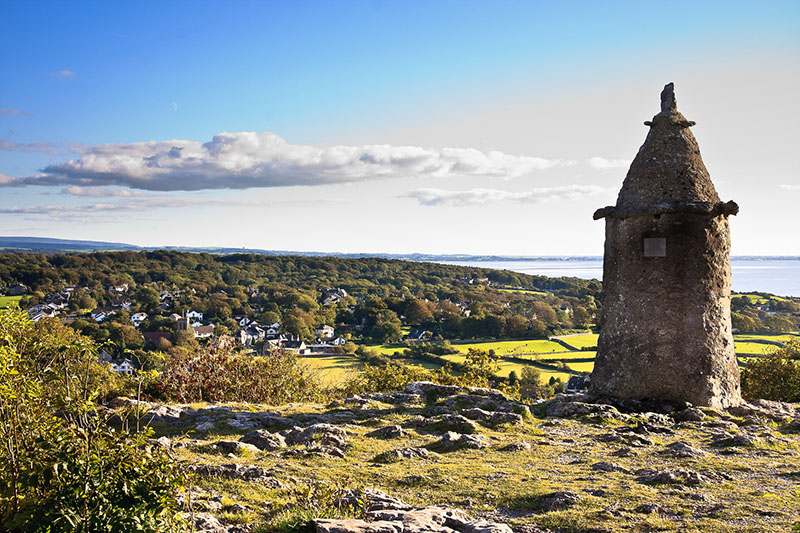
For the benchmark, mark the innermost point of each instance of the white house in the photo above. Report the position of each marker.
(138, 318)
(273, 330)
(338, 341)
(122, 367)
(297, 347)
(194, 315)
(202, 332)
(101, 313)
(325, 332)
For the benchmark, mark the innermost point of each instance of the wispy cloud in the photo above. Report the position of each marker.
(244, 160)
(601, 163)
(101, 192)
(473, 197)
(789, 187)
(6, 180)
(135, 204)
(6, 112)
(66, 73)
(28, 148)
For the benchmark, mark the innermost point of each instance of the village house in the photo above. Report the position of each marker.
(333, 296)
(119, 366)
(339, 341)
(418, 335)
(296, 347)
(325, 332)
(118, 288)
(17, 290)
(273, 330)
(203, 332)
(194, 315)
(102, 313)
(121, 301)
(138, 318)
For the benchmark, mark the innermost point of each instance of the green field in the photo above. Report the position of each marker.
(8, 301)
(524, 291)
(757, 298)
(333, 369)
(567, 356)
(513, 347)
(581, 341)
(754, 347)
(386, 349)
(783, 337)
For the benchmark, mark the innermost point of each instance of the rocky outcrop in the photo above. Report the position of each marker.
(389, 515)
(264, 440)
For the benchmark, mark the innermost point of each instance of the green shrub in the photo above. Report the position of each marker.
(775, 376)
(63, 467)
(221, 377)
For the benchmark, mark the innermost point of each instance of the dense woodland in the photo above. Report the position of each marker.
(383, 296)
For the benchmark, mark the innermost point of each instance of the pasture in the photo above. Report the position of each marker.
(580, 341)
(743, 347)
(332, 369)
(513, 347)
(7, 302)
(523, 291)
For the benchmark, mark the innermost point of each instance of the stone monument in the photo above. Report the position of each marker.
(666, 323)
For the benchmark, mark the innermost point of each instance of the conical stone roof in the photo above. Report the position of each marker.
(668, 173)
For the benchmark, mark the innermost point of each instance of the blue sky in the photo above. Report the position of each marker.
(542, 102)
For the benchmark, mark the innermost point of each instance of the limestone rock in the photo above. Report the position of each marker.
(375, 499)
(455, 441)
(516, 447)
(604, 466)
(556, 501)
(445, 423)
(325, 434)
(264, 440)
(388, 432)
(399, 454)
(681, 449)
(350, 525)
(670, 476)
(235, 447)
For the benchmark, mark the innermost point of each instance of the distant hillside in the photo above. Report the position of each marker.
(50, 245)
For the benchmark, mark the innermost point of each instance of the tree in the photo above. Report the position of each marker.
(418, 313)
(775, 376)
(294, 323)
(64, 468)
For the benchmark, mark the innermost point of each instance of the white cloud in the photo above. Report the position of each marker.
(6, 112)
(243, 160)
(39, 147)
(100, 192)
(473, 197)
(135, 204)
(7, 180)
(66, 73)
(788, 187)
(601, 163)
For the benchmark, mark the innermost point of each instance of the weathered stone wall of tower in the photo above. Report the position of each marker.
(666, 330)
(666, 327)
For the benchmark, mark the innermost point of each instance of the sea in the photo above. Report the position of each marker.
(780, 277)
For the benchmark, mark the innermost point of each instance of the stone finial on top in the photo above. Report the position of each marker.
(668, 102)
